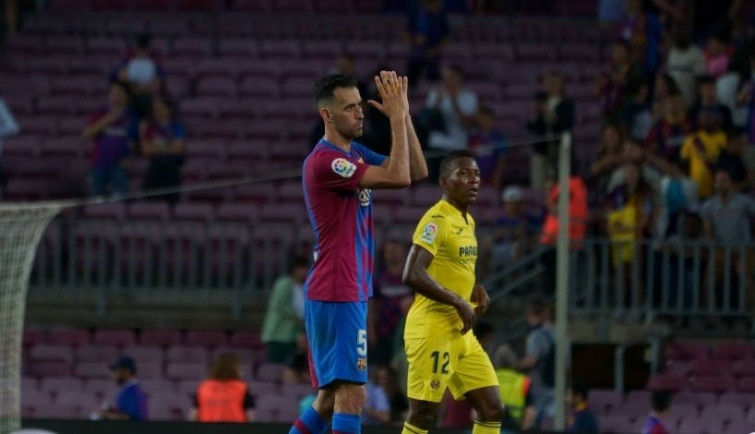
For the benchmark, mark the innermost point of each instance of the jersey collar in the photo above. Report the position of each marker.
(336, 148)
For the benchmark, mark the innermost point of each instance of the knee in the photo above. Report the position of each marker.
(350, 398)
(422, 417)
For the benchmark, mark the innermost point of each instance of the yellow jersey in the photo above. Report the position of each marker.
(450, 238)
(702, 150)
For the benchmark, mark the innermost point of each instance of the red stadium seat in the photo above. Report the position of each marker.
(199, 212)
(667, 382)
(247, 48)
(193, 47)
(53, 386)
(186, 355)
(160, 338)
(119, 338)
(733, 351)
(186, 371)
(713, 384)
(68, 337)
(205, 338)
(104, 355)
(92, 370)
(687, 350)
(237, 212)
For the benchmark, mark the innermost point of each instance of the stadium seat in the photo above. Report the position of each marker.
(744, 368)
(707, 367)
(667, 382)
(160, 338)
(186, 355)
(168, 406)
(53, 386)
(104, 390)
(119, 338)
(48, 369)
(270, 372)
(238, 47)
(33, 337)
(178, 371)
(296, 391)
(97, 354)
(191, 47)
(280, 49)
(149, 211)
(205, 338)
(683, 411)
(247, 355)
(217, 86)
(92, 370)
(746, 385)
(725, 413)
(700, 400)
(51, 352)
(244, 339)
(713, 384)
(687, 350)
(273, 408)
(604, 400)
(733, 351)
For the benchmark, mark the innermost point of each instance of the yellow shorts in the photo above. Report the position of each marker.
(439, 362)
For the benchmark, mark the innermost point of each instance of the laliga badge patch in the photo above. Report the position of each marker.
(343, 167)
(429, 232)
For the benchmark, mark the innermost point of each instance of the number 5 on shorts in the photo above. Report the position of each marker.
(362, 343)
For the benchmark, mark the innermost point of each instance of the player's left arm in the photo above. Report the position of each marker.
(480, 298)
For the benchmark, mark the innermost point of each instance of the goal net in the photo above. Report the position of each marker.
(21, 227)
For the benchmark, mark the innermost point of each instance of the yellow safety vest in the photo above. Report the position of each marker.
(514, 387)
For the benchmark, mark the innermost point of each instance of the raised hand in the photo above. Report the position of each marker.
(392, 90)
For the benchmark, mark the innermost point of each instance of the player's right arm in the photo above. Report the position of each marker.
(416, 276)
(396, 173)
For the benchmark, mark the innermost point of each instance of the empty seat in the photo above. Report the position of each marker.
(707, 367)
(92, 370)
(271, 372)
(726, 413)
(604, 400)
(238, 47)
(185, 370)
(237, 212)
(116, 211)
(187, 387)
(160, 338)
(103, 389)
(198, 212)
(168, 406)
(186, 355)
(216, 86)
(667, 382)
(733, 351)
(713, 384)
(53, 386)
(700, 400)
(68, 337)
(97, 354)
(246, 340)
(194, 47)
(118, 338)
(149, 211)
(206, 338)
(746, 385)
(54, 368)
(51, 353)
(745, 368)
(687, 350)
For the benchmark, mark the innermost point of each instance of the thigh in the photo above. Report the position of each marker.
(337, 335)
(473, 370)
(431, 364)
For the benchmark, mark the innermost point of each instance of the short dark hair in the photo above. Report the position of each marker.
(580, 389)
(536, 305)
(326, 85)
(445, 163)
(660, 400)
(143, 40)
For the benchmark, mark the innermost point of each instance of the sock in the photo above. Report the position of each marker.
(481, 427)
(344, 423)
(310, 422)
(411, 429)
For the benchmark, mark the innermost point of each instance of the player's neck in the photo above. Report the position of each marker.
(337, 140)
(457, 205)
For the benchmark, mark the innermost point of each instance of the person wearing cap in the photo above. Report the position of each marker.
(131, 401)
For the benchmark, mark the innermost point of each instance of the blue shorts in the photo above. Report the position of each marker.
(337, 335)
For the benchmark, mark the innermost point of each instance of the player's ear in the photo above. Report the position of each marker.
(326, 114)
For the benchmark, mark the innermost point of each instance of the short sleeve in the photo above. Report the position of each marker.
(430, 233)
(370, 157)
(686, 150)
(337, 170)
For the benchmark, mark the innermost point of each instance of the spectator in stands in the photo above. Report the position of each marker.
(660, 401)
(113, 131)
(143, 75)
(577, 216)
(555, 115)
(707, 100)
(631, 212)
(488, 144)
(427, 33)
(664, 86)
(727, 217)
(611, 86)
(516, 392)
(700, 151)
(610, 157)
(282, 324)
(644, 33)
(731, 158)
(514, 234)
(389, 292)
(450, 111)
(717, 54)
(539, 359)
(682, 256)
(582, 418)
(377, 408)
(162, 141)
(667, 135)
(638, 114)
(634, 153)
(677, 194)
(686, 61)
(131, 401)
(224, 397)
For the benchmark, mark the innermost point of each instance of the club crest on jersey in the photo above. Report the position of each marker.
(365, 196)
(343, 167)
(429, 233)
(435, 384)
(361, 364)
